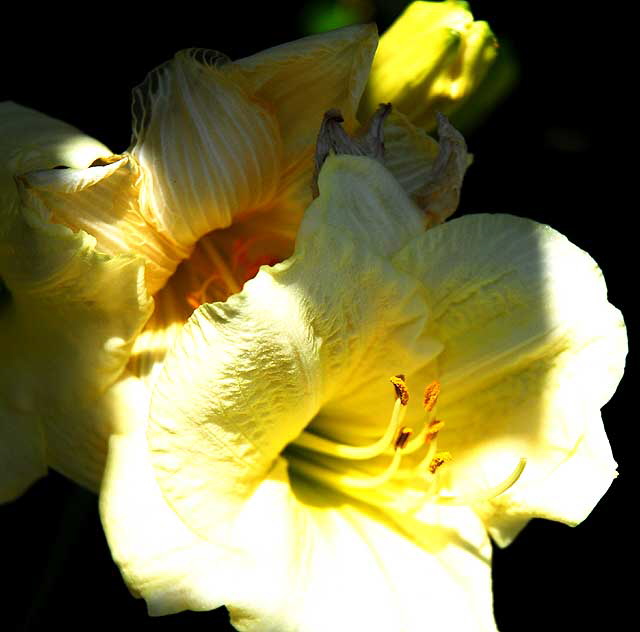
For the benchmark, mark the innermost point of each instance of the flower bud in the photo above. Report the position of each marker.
(429, 60)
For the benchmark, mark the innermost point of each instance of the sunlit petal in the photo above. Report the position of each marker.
(523, 369)
(315, 548)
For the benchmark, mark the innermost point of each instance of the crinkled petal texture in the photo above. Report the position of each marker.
(68, 318)
(218, 140)
(205, 510)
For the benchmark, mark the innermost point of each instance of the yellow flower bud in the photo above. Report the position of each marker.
(429, 60)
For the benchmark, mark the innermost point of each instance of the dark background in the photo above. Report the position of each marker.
(554, 150)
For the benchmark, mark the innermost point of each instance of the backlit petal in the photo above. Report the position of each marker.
(160, 559)
(208, 147)
(567, 494)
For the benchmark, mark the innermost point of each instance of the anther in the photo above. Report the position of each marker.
(403, 438)
(488, 494)
(438, 461)
(431, 394)
(402, 393)
(433, 429)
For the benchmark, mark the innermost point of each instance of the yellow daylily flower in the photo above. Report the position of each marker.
(430, 60)
(332, 446)
(103, 261)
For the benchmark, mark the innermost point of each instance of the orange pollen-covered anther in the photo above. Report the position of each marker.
(438, 460)
(402, 438)
(433, 429)
(402, 393)
(431, 394)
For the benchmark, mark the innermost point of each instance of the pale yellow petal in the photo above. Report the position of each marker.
(359, 196)
(159, 558)
(567, 494)
(293, 549)
(103, 200)
(532, 351)
(316, 549)
(430, 172)
(209, 149)
(303, 79)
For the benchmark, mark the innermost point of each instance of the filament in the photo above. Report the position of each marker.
(492, 492)
(313, 442)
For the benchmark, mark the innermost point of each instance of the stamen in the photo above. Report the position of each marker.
(425, 437)
(429, 431)
(492, 492)
(403, 438)
(311, 441)
(431, 394)
(220, 265)
(433, 429)
(402, 393)
(335, 479)
(438, 461)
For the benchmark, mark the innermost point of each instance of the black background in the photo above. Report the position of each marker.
(556, 150)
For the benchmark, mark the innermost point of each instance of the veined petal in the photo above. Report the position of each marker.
(68, 320)
(332, 323)
(292, 549)
(103, 200)
(532, 351)
(208, 147)
(305, 78)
